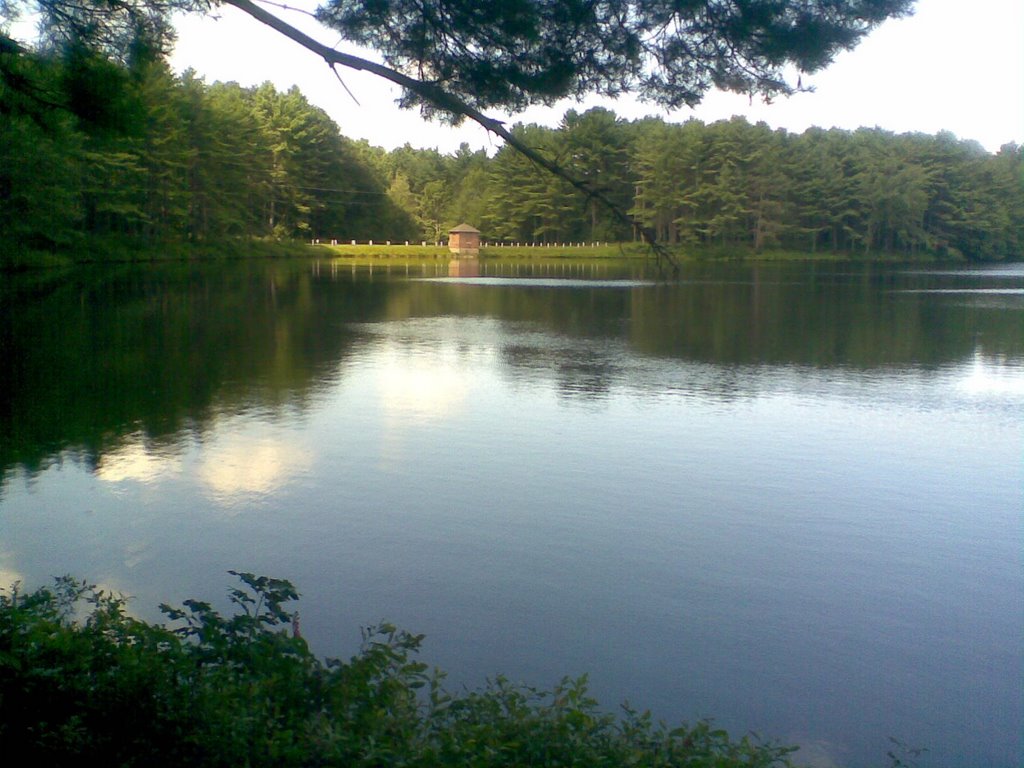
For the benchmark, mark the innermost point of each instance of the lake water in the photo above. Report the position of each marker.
(788, 498)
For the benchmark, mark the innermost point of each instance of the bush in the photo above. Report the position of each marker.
(81, 679)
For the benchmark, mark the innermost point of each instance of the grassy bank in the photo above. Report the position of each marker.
(245, 689)
(607, 251)
(111, 250)
(521, 252)
(119, 250)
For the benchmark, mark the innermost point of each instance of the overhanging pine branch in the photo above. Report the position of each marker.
(451, 103)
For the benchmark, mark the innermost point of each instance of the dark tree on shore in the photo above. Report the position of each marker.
(511, 53)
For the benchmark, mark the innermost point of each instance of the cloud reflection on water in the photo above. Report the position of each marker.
(239, 469)
(9, 575)
(421, 389)
(134, 461)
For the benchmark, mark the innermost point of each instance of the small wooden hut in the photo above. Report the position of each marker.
(464, 241)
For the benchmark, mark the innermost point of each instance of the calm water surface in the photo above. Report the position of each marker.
(788, 498)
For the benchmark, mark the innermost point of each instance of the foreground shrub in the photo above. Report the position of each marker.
(81, 679)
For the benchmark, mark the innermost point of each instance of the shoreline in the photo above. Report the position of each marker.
(109, 252)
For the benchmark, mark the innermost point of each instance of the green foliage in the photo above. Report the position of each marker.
(80, 679)
(104, 686)
(727, 189)
(96, 148)
(413, 251)
(514, 53)
(735, 188)
(102, 149)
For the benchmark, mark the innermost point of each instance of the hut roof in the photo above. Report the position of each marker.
(463, 228)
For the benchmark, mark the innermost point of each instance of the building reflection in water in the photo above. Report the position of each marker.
(464, 268)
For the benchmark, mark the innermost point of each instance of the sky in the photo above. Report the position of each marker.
(952, 66)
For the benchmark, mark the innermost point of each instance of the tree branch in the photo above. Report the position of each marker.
(453, 104)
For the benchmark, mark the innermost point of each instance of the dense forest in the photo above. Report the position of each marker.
(101, 150)
(92, 147)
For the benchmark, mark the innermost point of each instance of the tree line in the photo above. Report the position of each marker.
(733, 186)
(125, 149)
(130, 151)
(867, 191)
